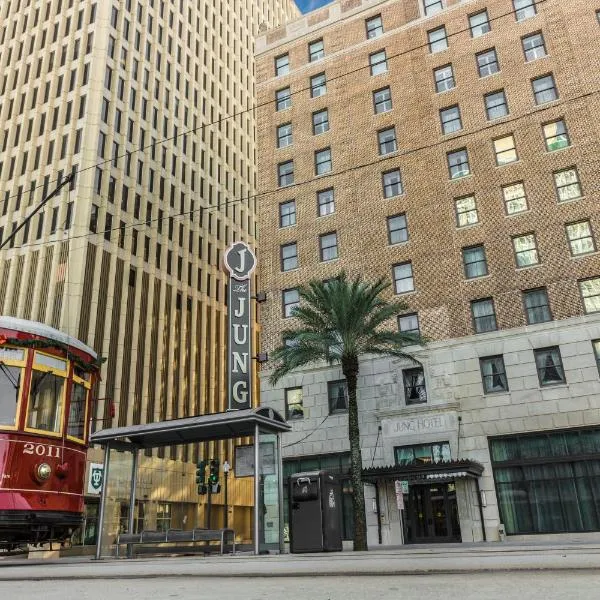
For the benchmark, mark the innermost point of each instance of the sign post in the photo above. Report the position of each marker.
(240, 262)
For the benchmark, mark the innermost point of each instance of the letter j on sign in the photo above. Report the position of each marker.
(240, 262)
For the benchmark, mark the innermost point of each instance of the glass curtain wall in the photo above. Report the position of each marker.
(548, 482)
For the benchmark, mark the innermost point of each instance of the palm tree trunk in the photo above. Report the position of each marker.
(350, 370)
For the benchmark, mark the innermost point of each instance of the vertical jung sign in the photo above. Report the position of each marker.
(240, 262)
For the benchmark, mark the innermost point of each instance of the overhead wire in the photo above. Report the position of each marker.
(258, 106)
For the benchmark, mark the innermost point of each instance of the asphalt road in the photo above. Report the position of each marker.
(542, 585)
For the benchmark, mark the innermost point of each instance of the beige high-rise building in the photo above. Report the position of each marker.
(147, 102)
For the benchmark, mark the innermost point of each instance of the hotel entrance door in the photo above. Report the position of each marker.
(432, 514)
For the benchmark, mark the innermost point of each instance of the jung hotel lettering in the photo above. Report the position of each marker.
(240, 262)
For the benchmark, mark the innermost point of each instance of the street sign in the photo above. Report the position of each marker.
(95, 478)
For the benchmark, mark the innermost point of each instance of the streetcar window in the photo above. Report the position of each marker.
(45, 401)
(10, 382)
(76, 422)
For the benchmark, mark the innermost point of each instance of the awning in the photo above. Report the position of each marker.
(203, 428)
(430, 472)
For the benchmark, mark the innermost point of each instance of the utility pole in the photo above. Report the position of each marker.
(37, 209)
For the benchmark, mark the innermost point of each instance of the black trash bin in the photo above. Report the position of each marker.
(315, 512)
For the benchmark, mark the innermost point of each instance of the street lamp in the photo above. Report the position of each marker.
(226, 468)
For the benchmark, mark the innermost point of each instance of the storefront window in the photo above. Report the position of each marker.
(548, 482)
(163, 516)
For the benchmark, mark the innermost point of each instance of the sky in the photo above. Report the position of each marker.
(307, 5)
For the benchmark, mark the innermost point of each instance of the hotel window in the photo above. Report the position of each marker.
(289, 256)
(403, 278)
(409, 324)
(293, 404)
(392, 183)
(484, 315)
(423, 454)
(567, 184)
(318, 85)
(450, 119)
(316, 51)
(414, 386)
(479, 24)
(493, 374)
(285, 173)
(590, 294)
(549, 366)
(378, 63)
(556, 135)
(374, 27)
(496, 105)
(474, 262)
(544, 89)
(466, 211)
(545, 482)
(526, 252)
(397, 229)
(458, 163)
(290, 300)
(444, 78)
(325, 202)
(283, 98)
(382, 100)
(524, 9)
(581, 239)
(323, 161)
(437, 40)
(282, 65)
(387, 141)
(320, 122)
(537, 306)
(328, 246)
(432, 6)
(284, 135)
(487, 62)
(533, 46)
(337, 396)
(596, 347)
(506, 151)
(287, 213)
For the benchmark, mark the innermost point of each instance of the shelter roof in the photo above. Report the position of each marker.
(202, 428)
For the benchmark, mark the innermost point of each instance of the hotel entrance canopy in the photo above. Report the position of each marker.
(427, 472)
(260, 423)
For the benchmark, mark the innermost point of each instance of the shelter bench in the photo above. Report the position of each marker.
(178, 535)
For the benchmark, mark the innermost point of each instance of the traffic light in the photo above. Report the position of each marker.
(213, 477)
(200, 475)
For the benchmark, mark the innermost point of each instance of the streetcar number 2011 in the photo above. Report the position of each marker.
(41, 450)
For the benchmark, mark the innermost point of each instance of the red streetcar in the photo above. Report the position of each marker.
(46, 378)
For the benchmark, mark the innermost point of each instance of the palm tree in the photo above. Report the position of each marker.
(338, 321)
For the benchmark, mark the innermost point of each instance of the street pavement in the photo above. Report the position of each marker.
(482, 571)
(541, 585)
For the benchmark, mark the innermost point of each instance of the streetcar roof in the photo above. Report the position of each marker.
(42, 330)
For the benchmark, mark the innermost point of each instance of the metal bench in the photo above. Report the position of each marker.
(177, 535)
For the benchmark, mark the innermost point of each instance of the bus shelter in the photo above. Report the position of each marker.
(264, 424)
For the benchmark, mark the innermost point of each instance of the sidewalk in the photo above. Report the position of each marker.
(411, 560)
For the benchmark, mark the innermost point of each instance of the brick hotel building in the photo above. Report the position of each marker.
(125, 259)
(452, 147)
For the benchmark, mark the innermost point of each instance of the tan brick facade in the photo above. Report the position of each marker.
(442, 294)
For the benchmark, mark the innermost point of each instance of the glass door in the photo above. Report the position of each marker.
(432, 514)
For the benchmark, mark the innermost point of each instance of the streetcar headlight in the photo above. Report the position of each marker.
(43, 471)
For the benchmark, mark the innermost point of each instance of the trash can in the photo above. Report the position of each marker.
(315, 512)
